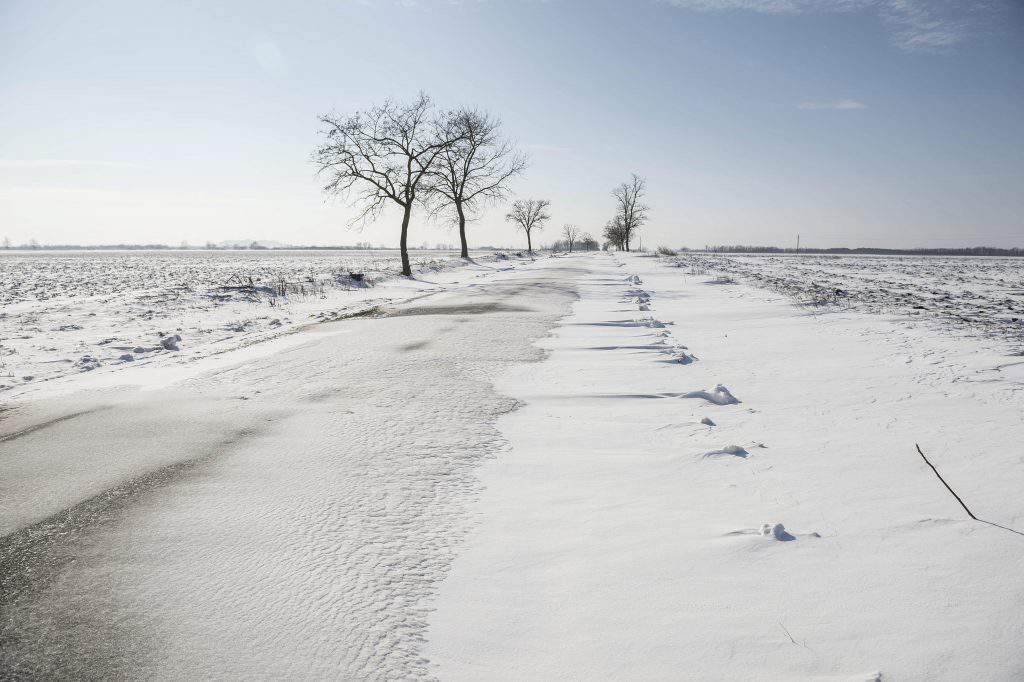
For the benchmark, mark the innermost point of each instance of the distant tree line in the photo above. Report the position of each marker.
(575, 239)
(36, 246)
(963, 251)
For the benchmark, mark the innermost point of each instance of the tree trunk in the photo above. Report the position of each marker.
(462, 230)
(404, 243)
(529, 243)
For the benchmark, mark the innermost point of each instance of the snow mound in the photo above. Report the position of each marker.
(171, 342)
(719, 395)
(776, 531)
(684, 358)
(728, 450)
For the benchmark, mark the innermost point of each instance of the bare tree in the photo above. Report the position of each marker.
(588, 243)
(383, 154)
(529, 215)
(475, 169)
(631, 211)
(615, 233)
(7, 242)
(571, 233)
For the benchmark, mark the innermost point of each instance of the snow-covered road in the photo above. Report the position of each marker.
(368, 504)
(282, 517)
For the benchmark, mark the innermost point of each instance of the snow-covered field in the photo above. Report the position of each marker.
(63, 313)
(598, 466)
(976, 295)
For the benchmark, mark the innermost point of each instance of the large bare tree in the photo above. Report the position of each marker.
(383, 155)
(529, 215)
(631, 211)
(475, 169)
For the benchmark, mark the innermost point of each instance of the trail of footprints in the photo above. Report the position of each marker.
(719, 395)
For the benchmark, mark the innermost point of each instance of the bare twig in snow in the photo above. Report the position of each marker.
(953, 493)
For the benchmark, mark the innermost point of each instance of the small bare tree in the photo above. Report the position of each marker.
(631, 211)
(387, 152)
(529, 215)
(475, 169)
(615, 233)
(571, 233)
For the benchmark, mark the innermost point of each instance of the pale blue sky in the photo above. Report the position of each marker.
(852, 122)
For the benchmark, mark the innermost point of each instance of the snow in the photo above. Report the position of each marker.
(609, 547)
(71, 312)
(977, 295)
(276, 516)
(505, 472)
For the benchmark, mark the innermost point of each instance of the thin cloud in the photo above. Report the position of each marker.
(269, 57)
(837, 104)
(914, 25)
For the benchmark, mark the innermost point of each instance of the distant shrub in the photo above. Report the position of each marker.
(665, 251)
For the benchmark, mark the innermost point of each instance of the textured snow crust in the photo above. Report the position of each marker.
(280, 517)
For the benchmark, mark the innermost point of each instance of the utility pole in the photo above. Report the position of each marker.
(798, 243)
